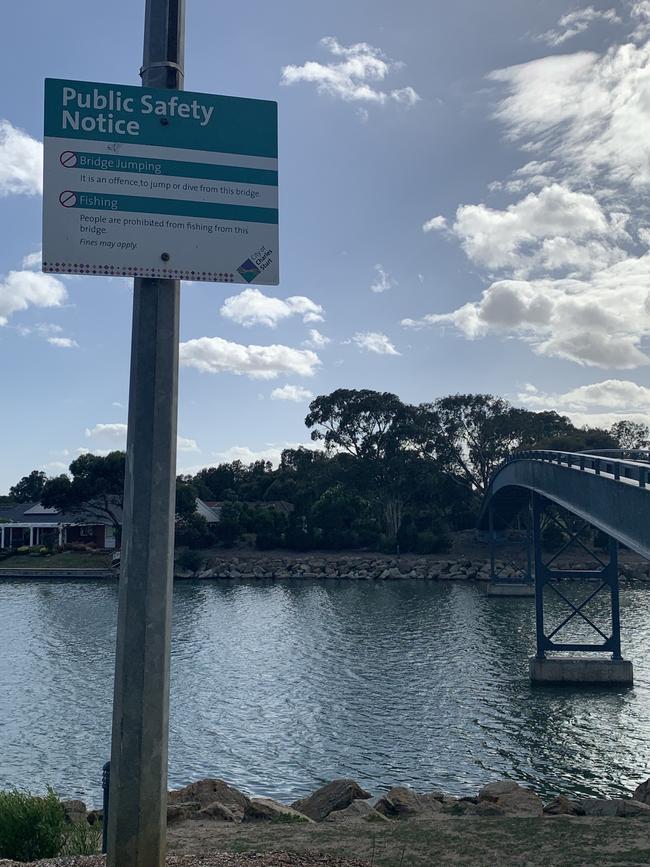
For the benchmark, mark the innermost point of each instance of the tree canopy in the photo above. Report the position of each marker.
(387, 474)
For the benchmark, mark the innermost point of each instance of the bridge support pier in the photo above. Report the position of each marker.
(548, 575)
(514, 577)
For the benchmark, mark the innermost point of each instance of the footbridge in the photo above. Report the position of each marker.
(609, 490)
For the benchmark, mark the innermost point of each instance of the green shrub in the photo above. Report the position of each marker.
(81, 838)
(24, 549)
(429, 542)
(43, 550)
(31, 827)
(190, 560)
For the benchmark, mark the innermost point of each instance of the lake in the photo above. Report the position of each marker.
(278, 687)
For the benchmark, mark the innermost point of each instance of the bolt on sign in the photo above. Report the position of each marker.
(140, 182)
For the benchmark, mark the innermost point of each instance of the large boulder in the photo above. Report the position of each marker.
(512, 798)
(563, 806)
(218, 812)
(268, 810)
(180, 812)
(357, 810)
(336, 795)
(75, 811)
(207, 792)
(642, 793)
(626, 808)
(401, 803)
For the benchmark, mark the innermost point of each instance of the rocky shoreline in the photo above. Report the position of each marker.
(212, 824)
(344, 800)
(378, 568)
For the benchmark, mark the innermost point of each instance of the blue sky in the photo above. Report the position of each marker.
(463, 197)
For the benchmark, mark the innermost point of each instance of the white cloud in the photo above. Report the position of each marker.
(216, 355)
(600, 321)
(316, 340)
(63, 342)
(22, 289)
(405, 96)
(435, 224)
(383, 281)
(576, 22)
(252, 307)
(600, 404)
(354, 75)
(33, 260)
(296, 393)
(115, 434)
(57, 467)
(187, 445)
(374, 341)
(588, 112)
(554, 230)
(21, 162)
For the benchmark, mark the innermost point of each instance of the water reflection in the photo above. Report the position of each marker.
(280, 686)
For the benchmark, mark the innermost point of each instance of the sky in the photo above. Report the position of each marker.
(463, 208)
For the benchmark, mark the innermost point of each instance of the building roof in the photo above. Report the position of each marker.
(35, 513)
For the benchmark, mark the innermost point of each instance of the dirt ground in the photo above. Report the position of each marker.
(461, 841)
(436, 841)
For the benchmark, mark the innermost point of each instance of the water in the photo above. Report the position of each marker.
(278, 687)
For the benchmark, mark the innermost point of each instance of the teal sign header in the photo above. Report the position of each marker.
(160, 118)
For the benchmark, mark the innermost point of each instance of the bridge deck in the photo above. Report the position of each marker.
(608, 491)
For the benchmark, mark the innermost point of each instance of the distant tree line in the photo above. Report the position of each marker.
(388, 475)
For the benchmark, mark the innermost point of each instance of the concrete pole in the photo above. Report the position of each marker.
(137, 818)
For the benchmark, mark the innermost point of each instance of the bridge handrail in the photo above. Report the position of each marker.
(623, 454)
(588, 461)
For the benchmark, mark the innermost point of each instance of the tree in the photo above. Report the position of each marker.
(631, 434)
(96, 488)
(362, 423)
(30, 488)
(471, 434)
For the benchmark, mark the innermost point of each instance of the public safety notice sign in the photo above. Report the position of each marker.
(159, 183)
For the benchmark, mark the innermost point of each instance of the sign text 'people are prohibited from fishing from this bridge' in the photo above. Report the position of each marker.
(159, 183)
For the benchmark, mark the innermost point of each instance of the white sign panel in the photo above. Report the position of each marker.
(159, 183)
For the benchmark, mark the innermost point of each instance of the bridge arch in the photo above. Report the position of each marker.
(609, 489)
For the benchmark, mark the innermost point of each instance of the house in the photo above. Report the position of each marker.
(211, 509)
(32, 524)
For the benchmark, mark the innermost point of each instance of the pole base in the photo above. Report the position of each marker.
(615, 672)
(510, 588)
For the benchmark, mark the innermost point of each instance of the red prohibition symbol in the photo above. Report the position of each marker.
(68, 159)
(68, 199)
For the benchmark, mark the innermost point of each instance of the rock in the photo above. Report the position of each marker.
(512, 798)
(563, 806)
(642, 793)
(207, 792)
(219, 812)
(487, 810)
(356, 810)
(268, 810)
(336, 795)
(617, 807)
(401, 802)
(180, 812)
(75, 811)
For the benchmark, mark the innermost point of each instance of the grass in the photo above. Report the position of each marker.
(66, 560)
(440, 841)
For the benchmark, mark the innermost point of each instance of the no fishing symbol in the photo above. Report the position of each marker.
(68, 199)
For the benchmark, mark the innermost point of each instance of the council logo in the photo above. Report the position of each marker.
(248, 270)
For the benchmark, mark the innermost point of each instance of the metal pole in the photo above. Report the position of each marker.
(614, 583)
(540, 574)
(137, 817)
